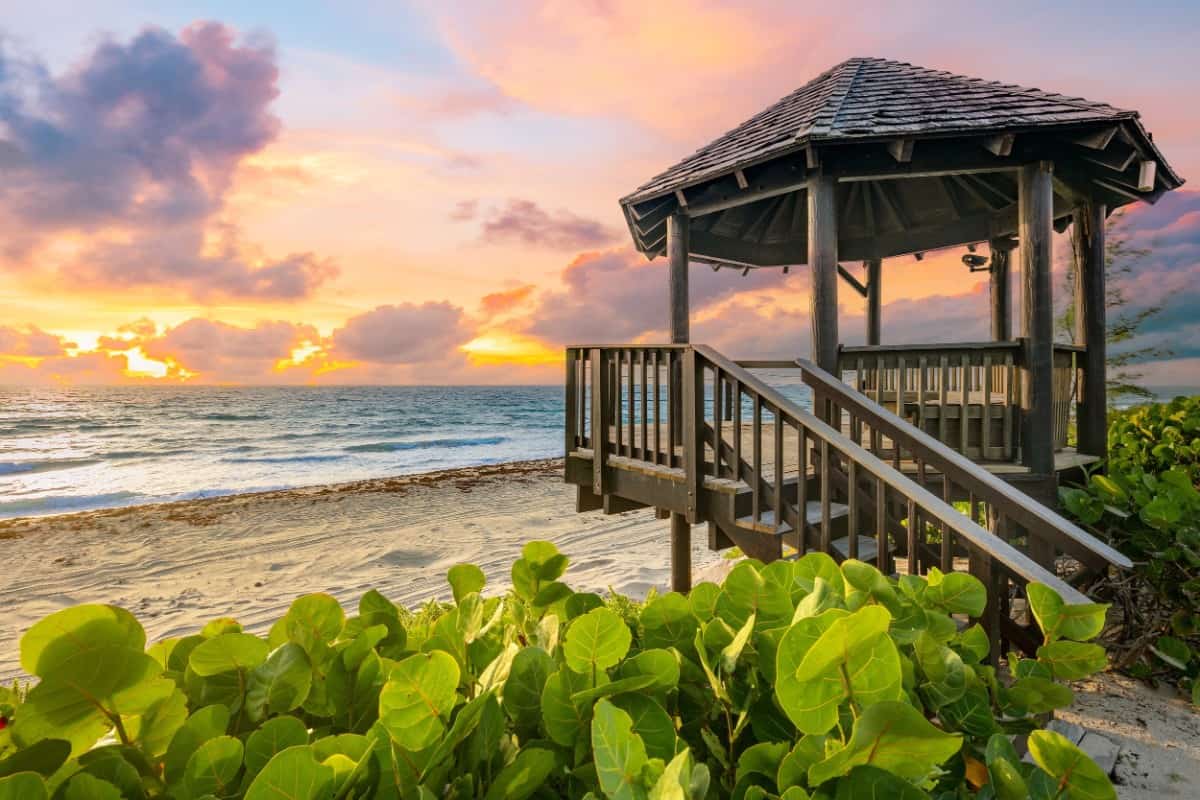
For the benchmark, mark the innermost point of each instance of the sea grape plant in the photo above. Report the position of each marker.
(1146, 503)
(797, 679)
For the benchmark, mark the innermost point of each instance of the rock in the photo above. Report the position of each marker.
(1101, 750)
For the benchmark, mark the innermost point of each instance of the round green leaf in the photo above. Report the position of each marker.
(1058, 620)
(282, 682)
(868, 781)
(44, 757)
(651, 722)
(746, 592)
(662, 665)
(314, 619)
(417, 699)
(597, 640)
(274, 736)
(204, 724)
(228, 652)
(465, 579)
(83, 786)
(214, 767)
(293, 774)
(667, 621)
(1071, 661)
(23, 786)
(71, 637)
(561, 717)
(526, 680)
(956, 592)
(1070, 767)
(154, 729)
(703, 601)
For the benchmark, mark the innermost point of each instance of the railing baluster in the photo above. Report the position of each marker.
(921, 389)
(852, 506)
(943, 397)
(657, 411)
(717, 419)
(571, 433)
(599, 422)
(756, 441)
(778, 457)
(986, 434)
(947, 536)
(616, 397)
(914, 567)
(826, 488)
(881, 536)
(737, 429)
(672, 407)
(802, 487)
(965, 407)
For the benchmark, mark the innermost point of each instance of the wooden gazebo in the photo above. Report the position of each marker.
(873, 159)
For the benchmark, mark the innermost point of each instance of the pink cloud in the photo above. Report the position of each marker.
(31, 341)
(403, 334)
(219, 352)
(525, 222)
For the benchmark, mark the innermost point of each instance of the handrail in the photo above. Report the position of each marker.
(933, 507)
(1018, 506)
(1010, 344)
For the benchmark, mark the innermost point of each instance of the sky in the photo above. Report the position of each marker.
(362, 191)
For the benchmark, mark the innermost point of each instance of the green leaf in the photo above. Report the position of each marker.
(702, 600)
(281, 683)
(526, 680)
(619, 752)
(544, 560)
(608, 689)
(1058, 620)
(83, 786)
(667, 621)
(314, 620)
(80, 702)
(733, 650)
(1037, 695)
(868, 782)
(1072, 660)
(204, 724)
(228, 652)
(852, 660)
(867, 578)
(819, 565)
(956, 592)
(465, 579)
(662, 665)
(75, 635)
(465, 722)
(1077, 776)
(892, 736)
(417, 699)
(562, 718)
(651, 722)
(23, 786)
(746, 593)
(44, 757)
(597, 640)
(214, 766)
(520, 779)
(293, 774)
(153, 729)
(762, 758)
(794, 696)
(1173, 651)
(372, 602)
(272, 737)
(945, 674)
(677, 780)
(793, 768)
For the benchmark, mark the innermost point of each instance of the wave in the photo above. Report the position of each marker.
(67, 503)
(428, 444)
(225, 417)
(282, 459)
(31, 467)
(121, 455)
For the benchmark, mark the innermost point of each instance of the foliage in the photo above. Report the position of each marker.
(1121, 261)
(1148, 506)
(799, 679)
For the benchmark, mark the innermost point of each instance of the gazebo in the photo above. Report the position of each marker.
(872, 160)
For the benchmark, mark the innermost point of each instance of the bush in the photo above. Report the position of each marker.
(1147, 505)
(797, 679)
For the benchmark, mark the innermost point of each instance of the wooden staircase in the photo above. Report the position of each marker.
(662, 427)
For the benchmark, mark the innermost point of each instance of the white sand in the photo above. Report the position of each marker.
(178, 565)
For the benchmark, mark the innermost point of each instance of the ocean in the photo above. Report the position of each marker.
(66, 449)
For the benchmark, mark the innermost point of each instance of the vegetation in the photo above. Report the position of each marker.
(1148, 506)
(1121, 260)
(793, 680)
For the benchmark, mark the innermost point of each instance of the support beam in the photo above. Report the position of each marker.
(854, 282)
(678, 235)
(1000, 289)
(823, 261)
(874, 300)
(1000, 145)
(901, 150)
(1035, 200)
(1091, 328)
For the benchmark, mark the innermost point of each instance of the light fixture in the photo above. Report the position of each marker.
(976, 263)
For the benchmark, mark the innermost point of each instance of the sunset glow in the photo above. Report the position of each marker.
(429, 194)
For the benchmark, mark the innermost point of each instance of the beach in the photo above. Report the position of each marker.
(178, 565)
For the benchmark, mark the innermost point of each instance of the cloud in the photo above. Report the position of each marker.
(128, 158)
(464, 210)
(30, 341)
(617, 295)
(403, 334)
(216, 351)
(498, 303)
(525, 222)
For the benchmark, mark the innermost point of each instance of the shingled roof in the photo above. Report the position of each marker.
(869, 98)
(848, 113)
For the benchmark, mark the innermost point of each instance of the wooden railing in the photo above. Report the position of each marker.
(626, 411)
(1008, 513)
(965, 394)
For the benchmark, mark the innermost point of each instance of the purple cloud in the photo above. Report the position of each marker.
(525, 222)
(403, 334)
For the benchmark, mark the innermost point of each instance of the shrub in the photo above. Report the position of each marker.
(1148, 506)
(797, 679)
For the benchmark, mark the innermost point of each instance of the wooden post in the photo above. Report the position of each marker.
(1001, 294)
(1035, 216)
(874, 300)
(677, 259)
(822, 260)
(1091, 329)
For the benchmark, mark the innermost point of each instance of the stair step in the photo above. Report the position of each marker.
(868, 549)
(812, 513)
